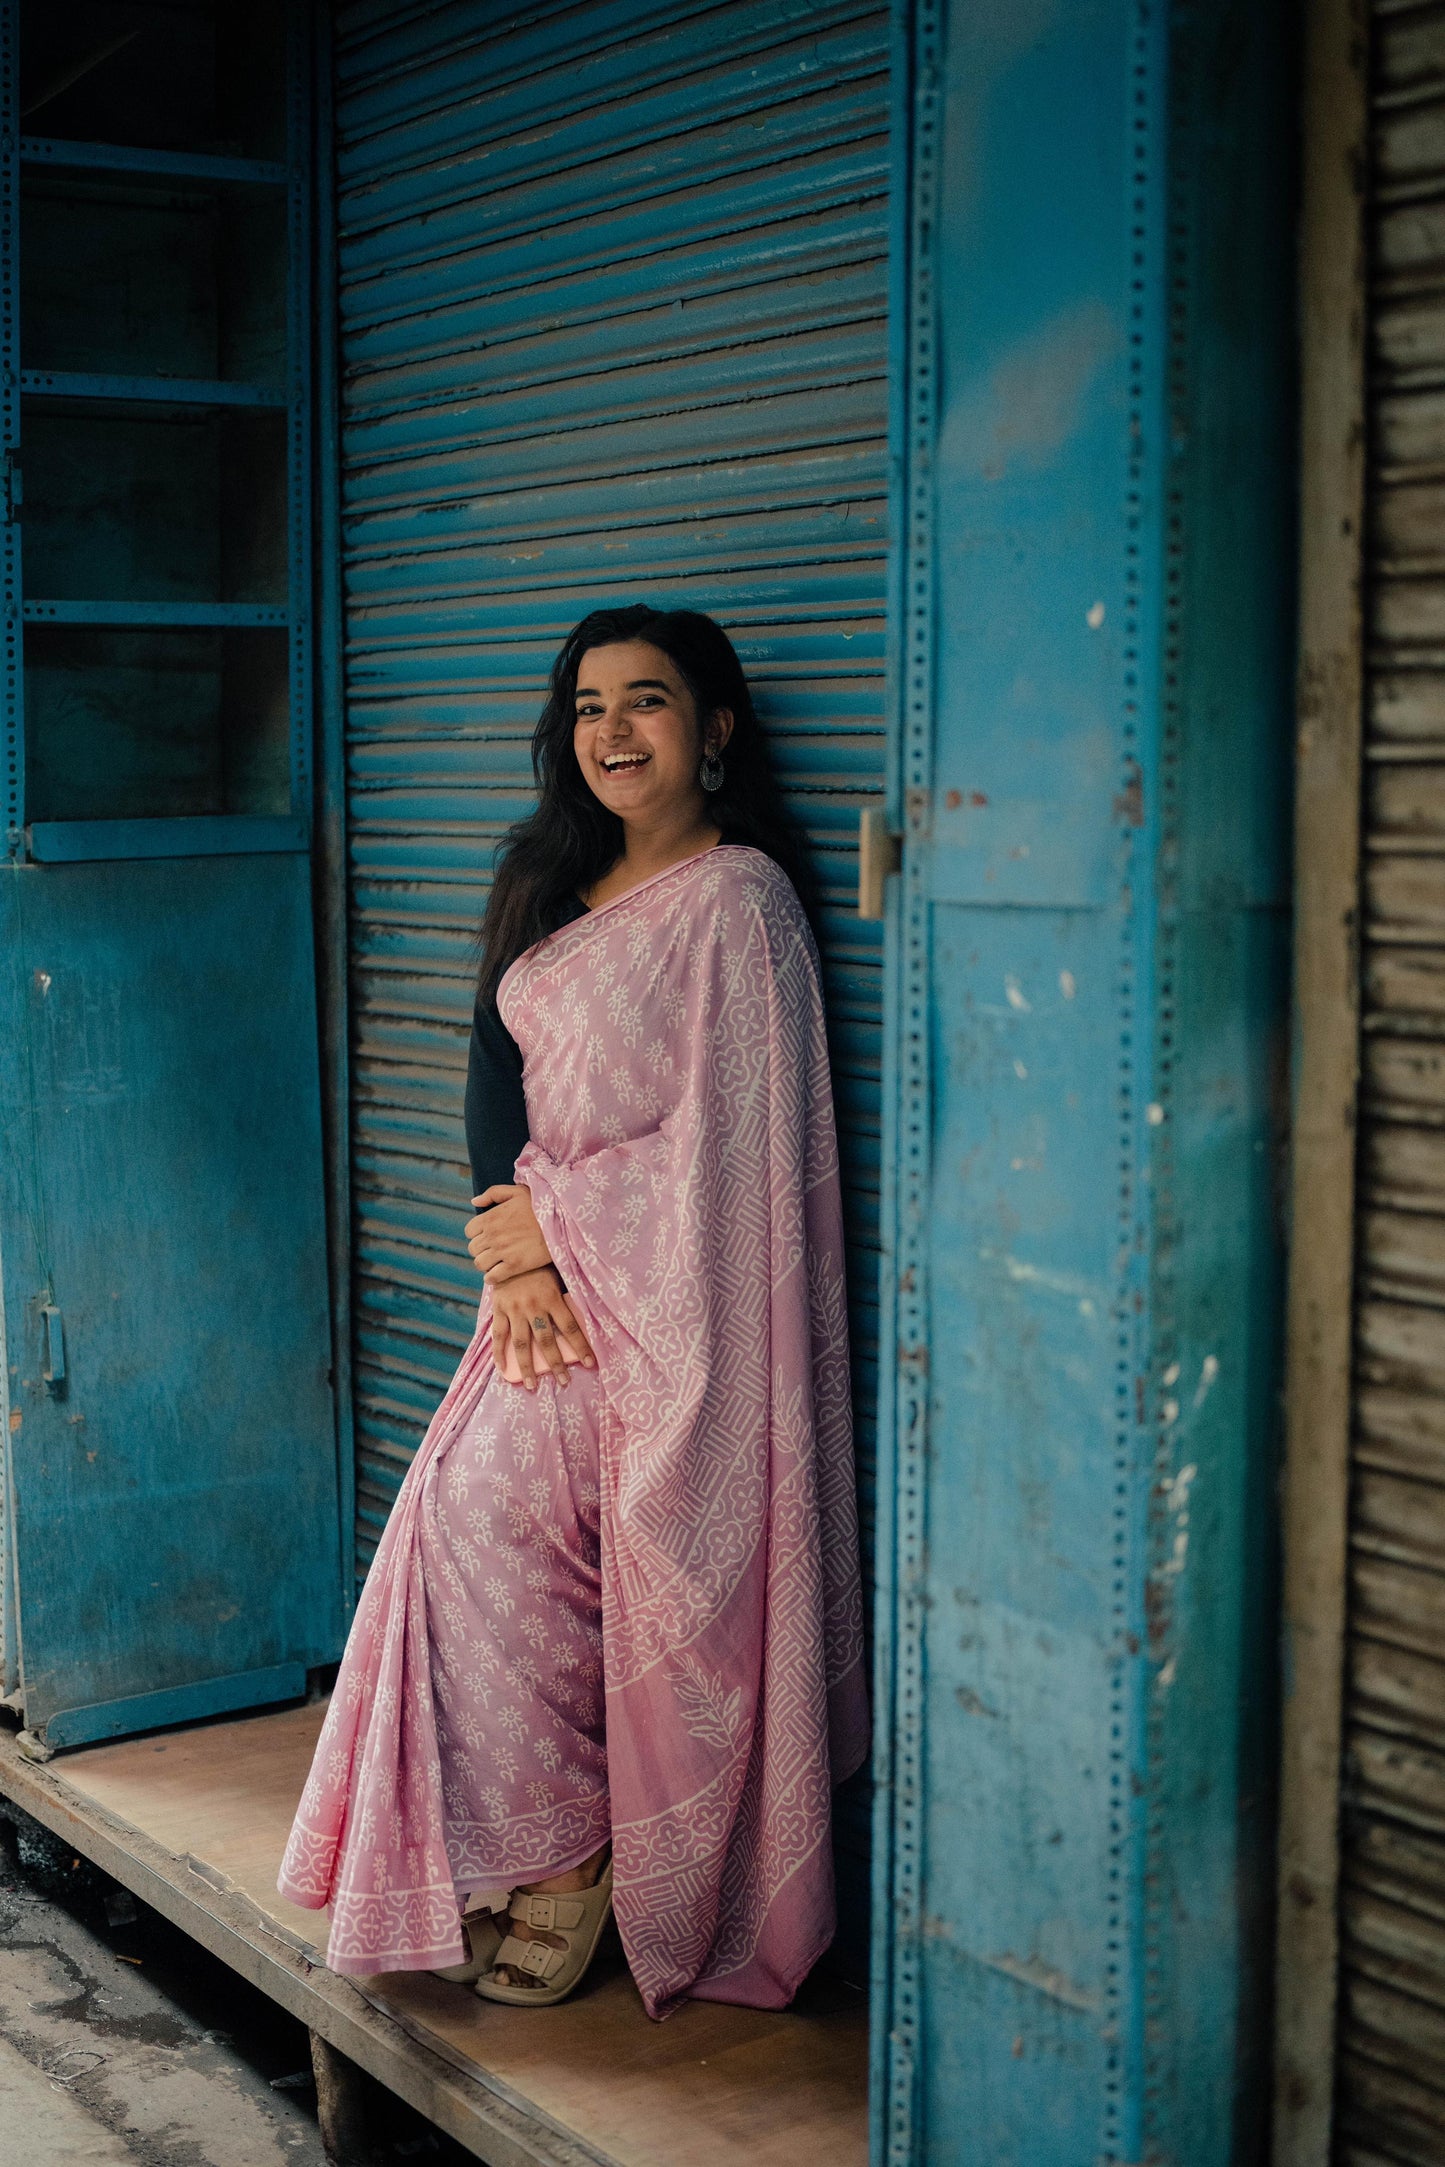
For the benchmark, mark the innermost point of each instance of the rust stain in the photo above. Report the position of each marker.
(1157, 1612)
(971, 1705)
(977, 797)
(953, 799)
(1129, 804)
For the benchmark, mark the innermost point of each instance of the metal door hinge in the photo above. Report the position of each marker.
(880, 852)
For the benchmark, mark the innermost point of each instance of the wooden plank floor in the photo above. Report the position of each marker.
(711, 2087)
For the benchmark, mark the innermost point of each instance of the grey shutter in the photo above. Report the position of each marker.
(1392, 2058)
(613, 288)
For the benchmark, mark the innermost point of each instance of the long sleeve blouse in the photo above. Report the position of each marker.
(496, 1111)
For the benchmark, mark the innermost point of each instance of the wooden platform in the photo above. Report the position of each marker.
(195, 1822)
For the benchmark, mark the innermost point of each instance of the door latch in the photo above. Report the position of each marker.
(880, 852)
(52, 1357)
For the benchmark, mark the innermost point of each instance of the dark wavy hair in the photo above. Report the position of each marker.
(572, 839)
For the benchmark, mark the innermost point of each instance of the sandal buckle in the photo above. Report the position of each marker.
(540, 1961)
(541, 1913)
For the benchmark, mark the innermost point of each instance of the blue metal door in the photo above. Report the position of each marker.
(1078, 1443)
(171, 1496)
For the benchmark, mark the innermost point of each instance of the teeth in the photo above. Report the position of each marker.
(623, 759)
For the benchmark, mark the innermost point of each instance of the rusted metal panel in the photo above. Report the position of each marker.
(1396, 1601)
(1392, 2058)
(1401, 1690)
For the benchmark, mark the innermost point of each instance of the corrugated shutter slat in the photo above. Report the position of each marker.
(1392, 1998)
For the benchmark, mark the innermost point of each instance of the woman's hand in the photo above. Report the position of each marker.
(532, 1313)
(505, 1238)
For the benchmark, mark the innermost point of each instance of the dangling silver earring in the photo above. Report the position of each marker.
(710, 774)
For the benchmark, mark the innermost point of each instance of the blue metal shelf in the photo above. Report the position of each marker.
(54, 151)
(201, 835)
(148, 390)
(174, 616)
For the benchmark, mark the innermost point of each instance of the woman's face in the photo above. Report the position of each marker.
(637, 736)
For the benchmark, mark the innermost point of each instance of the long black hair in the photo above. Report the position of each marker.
(572, 838)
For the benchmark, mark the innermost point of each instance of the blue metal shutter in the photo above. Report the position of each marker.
(613, 289)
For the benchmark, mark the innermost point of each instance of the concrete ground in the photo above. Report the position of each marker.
(123, 2043)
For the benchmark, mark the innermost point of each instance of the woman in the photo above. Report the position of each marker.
(609, 1650)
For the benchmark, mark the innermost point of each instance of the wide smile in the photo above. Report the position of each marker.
(622, 763)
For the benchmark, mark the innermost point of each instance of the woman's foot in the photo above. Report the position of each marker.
(584, 1876)
(482, 1935)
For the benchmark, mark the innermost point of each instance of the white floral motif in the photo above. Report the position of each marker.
(709, 1711)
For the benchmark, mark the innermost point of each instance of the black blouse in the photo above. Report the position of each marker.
(496, 1111)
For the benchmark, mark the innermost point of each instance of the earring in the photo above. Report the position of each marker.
(710, 774)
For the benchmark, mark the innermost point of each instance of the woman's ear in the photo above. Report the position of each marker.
(719, 729)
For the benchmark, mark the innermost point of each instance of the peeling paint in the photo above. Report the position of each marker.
(1044, 1978)
(1208, 1371)
(1035, 396)
(1037, 1275)
(1017, 999)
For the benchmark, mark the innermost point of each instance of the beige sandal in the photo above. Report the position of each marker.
(579, 1917)
(483, 1937)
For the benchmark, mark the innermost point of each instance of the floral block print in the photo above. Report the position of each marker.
(686, 1513)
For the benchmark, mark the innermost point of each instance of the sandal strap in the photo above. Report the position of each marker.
(534, 1958)
(549, 1914)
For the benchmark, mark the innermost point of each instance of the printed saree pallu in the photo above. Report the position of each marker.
(631, 1607)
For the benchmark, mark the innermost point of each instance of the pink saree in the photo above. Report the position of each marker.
(633, 1606)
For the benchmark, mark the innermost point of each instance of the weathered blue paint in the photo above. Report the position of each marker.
(330, 886)
(206, 835)
(165, 614)
(175, 1506)
(171, 1539)
(205, 166)
(147, 390)
(1092, 720)
(184, 1704)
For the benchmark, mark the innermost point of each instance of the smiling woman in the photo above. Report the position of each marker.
(610, 1648)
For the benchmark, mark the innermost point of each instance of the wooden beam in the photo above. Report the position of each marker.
(345, 2098)
(1327, 1007)
(486, 2123)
